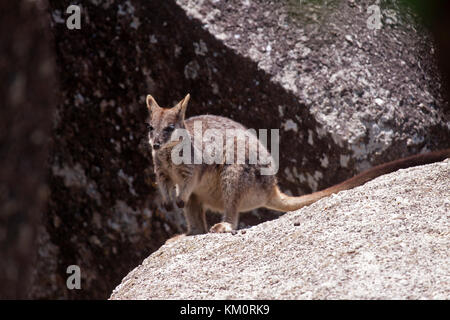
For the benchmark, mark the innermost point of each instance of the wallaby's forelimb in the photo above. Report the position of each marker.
(195, 216)
(166, 188)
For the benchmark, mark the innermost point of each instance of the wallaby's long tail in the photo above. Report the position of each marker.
(282, 202)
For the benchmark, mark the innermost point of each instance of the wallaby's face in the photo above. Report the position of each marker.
(164, 121)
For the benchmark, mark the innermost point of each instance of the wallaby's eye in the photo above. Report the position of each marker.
(169, 128)
(149, 127)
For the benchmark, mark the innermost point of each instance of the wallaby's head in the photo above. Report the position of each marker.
(164, 121)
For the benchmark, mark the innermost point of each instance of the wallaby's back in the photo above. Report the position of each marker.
(228, 181)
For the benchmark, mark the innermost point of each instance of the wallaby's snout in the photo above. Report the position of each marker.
(156, 146)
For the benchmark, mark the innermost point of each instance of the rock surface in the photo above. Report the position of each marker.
(387, 239)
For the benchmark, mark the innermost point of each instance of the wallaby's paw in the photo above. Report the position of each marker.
(176, 238)
(168, 206)
(180, 203)
(221, 227)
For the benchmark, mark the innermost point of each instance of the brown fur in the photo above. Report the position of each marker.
(231, 188)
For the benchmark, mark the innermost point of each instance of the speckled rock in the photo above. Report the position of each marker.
(387, 239)
(27, 102)
(376, 92)
(103, 211)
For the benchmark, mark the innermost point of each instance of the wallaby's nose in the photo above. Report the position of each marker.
(156, 146)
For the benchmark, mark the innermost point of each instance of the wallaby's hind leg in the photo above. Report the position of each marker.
(231, 196)
(195, 216)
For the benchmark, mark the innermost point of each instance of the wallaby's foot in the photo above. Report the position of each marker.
(221, 227)
(176, 238)
(195, 231)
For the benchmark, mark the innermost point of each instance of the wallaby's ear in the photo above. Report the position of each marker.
(183, 104)
(151, 103)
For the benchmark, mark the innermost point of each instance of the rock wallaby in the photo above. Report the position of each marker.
(226, 185)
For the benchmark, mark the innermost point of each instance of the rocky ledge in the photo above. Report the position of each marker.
(388, 239)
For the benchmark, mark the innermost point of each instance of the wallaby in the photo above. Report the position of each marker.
(230, 187)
